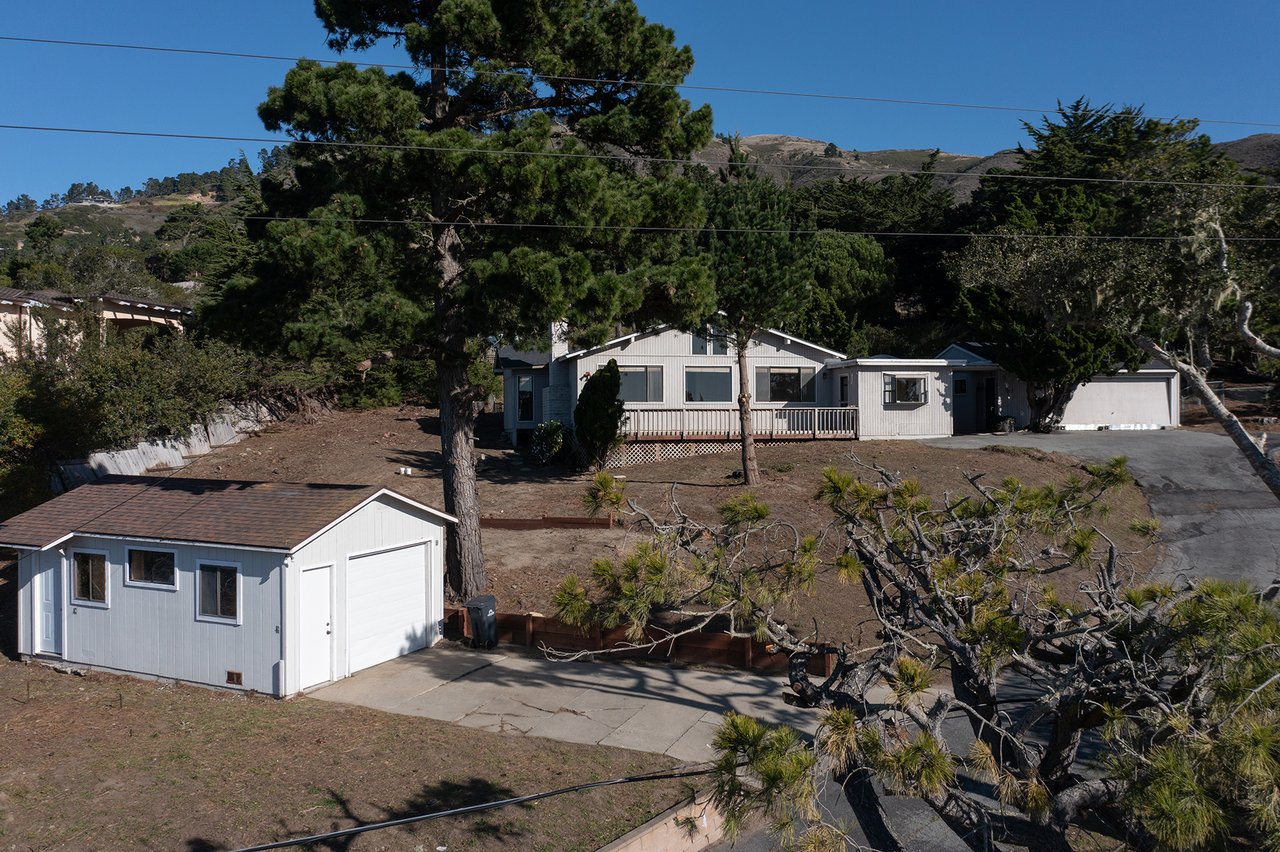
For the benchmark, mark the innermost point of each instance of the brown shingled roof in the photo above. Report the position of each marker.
(278, 515)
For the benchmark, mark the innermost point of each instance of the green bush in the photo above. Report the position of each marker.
(599, 415)
(548, 443)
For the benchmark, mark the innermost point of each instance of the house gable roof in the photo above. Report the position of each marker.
(268, 515)
(659, 329)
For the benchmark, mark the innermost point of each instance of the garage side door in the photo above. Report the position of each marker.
(386, 605)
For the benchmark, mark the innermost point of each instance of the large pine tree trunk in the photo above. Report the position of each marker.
(750, 468)
(464, 558)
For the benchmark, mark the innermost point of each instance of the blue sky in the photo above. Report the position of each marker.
(1176, 57)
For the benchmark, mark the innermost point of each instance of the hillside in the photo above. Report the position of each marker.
(802, 161)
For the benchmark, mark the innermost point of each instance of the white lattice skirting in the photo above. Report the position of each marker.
(632, 454)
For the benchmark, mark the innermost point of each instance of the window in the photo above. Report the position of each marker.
(89, 581)
(152, 568)
(707, 384)
(784, 384)
(524, 399)
(905, 390)
(844, 390)
(960, 387)
(219, 592)
(709, 342)
(640, 384)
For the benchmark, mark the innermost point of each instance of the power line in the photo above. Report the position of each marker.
(670, 161)
(660, 229)
(739, 90)
(517, 800)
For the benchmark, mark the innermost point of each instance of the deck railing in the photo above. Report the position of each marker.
(707, 424)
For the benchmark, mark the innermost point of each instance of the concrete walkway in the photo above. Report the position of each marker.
(647, 708)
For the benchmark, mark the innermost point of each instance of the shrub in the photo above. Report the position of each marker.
(599, 415)
(548, 442)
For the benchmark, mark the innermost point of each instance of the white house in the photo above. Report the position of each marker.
(266, 586)
(679, 386)
(1147, 398)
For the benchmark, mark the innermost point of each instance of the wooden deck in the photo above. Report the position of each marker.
(721, 423)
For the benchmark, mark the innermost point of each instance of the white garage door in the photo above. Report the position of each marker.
(386, 605)
(1121, 401)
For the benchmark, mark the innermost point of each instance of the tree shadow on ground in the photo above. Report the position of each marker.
(433, 798)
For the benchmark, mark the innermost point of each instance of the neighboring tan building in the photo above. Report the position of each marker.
(23, 314)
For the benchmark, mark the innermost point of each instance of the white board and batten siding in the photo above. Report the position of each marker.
(672, 350)
(154, 630)
(382, 568)
(878, 418)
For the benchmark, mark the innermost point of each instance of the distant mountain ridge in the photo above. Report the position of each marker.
(801, 161)
(808, 161)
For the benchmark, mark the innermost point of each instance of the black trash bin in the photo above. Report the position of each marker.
(482, 614)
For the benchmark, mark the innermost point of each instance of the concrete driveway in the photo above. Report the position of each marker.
(1217, 518)
(647, 708)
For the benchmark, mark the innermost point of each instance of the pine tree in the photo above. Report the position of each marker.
(476, 206)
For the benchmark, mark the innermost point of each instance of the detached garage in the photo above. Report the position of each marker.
(266, 586)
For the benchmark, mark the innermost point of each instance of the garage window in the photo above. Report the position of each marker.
(154, 568)
(89, 580)
(219, 593)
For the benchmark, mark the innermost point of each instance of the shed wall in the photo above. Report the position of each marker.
(155, 631)
(382, 524)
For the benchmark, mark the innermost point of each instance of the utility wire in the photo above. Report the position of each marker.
(739, 90)
(670, 161)
(661, 229)
(533, 797)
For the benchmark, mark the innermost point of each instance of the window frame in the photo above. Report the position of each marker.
(522, 378)
(844, 388)
(891, 381)
(728, 371)
(707, 341)
(650, 371)
(800, 371)
(105, 603)
(143, 584)
(201, 565)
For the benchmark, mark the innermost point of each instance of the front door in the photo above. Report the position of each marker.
(48, 591)
(316, 648)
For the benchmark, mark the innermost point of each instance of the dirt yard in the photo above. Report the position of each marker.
(525, 566)
(109, 762)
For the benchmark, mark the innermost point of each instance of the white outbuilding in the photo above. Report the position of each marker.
(267, 586)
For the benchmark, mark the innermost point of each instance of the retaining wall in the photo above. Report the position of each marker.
(227, 427)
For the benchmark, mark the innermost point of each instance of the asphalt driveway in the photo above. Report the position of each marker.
(1217, 518)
